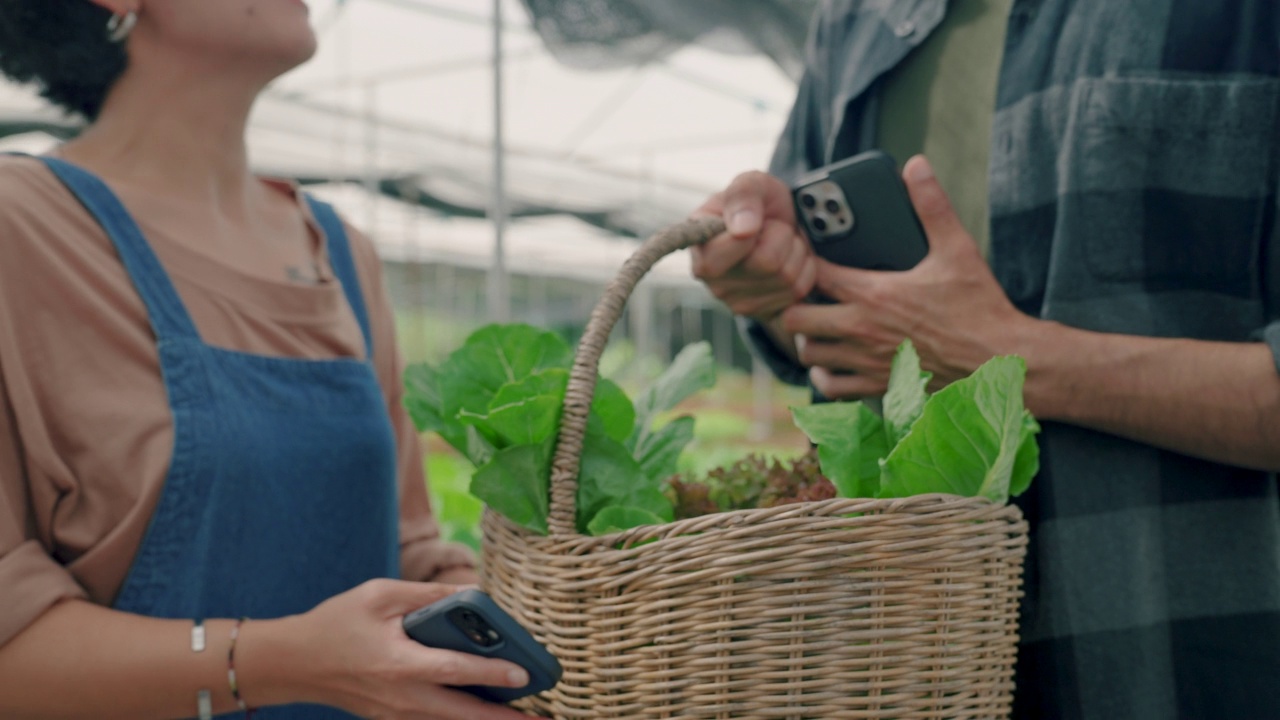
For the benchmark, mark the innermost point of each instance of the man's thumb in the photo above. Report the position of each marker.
(941, 225)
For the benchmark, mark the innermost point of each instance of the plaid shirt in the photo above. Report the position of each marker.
(1133, 174)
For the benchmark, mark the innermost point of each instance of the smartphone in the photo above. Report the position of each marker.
(471, 622)
(857, 213)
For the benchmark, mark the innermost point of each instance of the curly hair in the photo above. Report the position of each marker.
(61, 46)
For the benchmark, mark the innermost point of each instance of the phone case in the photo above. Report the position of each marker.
(857, 213)
(445, 624)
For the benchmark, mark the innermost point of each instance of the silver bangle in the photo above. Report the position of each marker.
(204, 703)
(197, 636)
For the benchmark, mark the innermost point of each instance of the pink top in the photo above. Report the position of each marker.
(85, 429)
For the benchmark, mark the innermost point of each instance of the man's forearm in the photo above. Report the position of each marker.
(1213, 400)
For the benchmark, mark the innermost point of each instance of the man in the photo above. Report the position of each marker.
(1117, 162)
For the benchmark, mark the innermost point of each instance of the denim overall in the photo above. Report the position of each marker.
(282, 488)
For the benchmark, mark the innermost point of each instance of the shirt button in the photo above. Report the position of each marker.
(904, 29)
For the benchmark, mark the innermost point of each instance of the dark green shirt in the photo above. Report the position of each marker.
(940, 102)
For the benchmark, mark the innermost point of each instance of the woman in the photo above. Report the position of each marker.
(199, 400)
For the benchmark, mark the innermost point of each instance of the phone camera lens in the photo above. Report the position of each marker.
(832, 207)
(476, 628)
(819, 224)
(808, 201)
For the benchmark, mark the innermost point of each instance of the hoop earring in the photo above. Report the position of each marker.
(119, 26)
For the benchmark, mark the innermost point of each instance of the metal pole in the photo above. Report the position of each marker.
(498, 291)
(371, 177)
(761, 400)
(640, 309)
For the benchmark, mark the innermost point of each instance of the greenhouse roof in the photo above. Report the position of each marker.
(399, 100)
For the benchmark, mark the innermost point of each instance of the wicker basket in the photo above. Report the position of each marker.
(834, 609)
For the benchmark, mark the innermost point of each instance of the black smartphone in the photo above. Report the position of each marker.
(471, 622)
(857, 213)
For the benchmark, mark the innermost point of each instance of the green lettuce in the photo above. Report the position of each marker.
(972, 438)
(498, 400)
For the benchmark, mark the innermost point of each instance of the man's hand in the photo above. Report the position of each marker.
(950, 305)
(762, 264)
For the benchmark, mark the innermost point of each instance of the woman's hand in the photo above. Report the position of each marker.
(351, 652)
(457, 576)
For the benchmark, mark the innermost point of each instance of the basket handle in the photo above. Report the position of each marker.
(566, 462)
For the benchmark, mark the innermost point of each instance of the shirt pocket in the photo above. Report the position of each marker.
(1166, 182)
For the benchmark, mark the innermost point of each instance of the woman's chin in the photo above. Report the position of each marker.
(303, 51)
(284, 57)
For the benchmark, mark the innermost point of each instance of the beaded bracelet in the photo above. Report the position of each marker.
(231, 669)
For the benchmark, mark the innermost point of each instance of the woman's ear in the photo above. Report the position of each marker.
(119, 7)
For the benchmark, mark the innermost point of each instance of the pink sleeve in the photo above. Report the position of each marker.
(30, 580)
(423, 555)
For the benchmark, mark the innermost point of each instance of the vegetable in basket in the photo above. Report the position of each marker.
(972, 438)
(498, 401)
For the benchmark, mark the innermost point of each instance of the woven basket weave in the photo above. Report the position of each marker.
(841, 608)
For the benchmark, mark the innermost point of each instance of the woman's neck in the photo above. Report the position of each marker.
(165, 132)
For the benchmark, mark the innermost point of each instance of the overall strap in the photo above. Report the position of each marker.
(168, 316)
(344, 265)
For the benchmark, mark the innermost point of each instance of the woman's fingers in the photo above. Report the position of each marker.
(446, 667)
(400, 597)
(437, 672)
(354, 654)
(441, 703)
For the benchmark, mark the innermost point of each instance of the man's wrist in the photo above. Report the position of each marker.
(1049, 348)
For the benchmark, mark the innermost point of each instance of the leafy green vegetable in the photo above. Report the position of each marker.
(500, 397)
(738, 486)
(610, 476)
(617, 518)
(967, 440)
(851, 440)
(1027, 463)
(904, 402)
(974, 437)
(499, 400)
(525, 412)
(478, 449)
(516, 484)
(422, 400)
(614, 408)
(660, 455)
(755, 481)
(528, 411)
(492, 357)
(693, 369)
